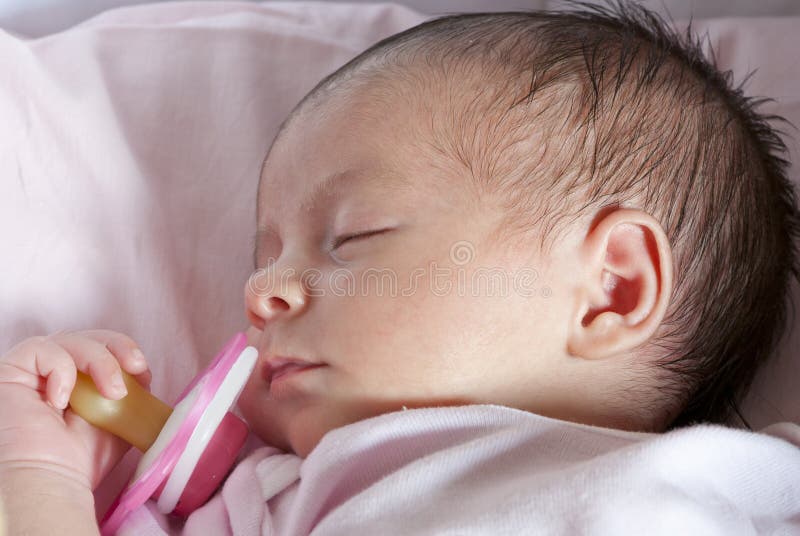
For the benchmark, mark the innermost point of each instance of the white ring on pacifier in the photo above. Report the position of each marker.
(223, 399)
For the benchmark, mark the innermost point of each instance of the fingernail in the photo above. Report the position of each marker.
(118, 385)
(138, 356)
(62, 398)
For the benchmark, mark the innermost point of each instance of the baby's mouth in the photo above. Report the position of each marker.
(278, 367)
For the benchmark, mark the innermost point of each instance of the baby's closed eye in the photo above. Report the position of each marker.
(357, 236)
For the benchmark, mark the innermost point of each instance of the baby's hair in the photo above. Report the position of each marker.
(566, 113)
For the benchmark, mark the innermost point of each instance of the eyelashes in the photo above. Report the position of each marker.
(342, 239)
(260, 248)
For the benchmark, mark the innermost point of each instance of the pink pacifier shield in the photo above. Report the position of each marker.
(214, 465)
(219, 383)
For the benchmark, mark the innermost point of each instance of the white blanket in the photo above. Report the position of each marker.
(493, 470)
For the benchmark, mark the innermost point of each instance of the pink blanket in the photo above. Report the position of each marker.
(494, 470)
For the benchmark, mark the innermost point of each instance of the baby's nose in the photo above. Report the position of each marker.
(267, 302)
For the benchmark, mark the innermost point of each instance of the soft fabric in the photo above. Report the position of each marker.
(130, 148)
(495, 470)
(35, 18)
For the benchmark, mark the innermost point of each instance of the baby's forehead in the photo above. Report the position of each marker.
(327, 179)
(401, 137)
(346, 142)
(306, 192)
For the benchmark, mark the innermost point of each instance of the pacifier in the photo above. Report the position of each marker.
(188, 450)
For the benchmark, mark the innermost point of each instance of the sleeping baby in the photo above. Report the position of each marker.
(502, 263)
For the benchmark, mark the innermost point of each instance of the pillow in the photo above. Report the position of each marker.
(131, 151)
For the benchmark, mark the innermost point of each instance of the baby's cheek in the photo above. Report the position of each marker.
(414, 307)
(426, 320)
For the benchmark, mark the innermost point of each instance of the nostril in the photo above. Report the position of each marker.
(278, 304)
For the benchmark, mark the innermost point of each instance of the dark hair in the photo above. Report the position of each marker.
(639, 117)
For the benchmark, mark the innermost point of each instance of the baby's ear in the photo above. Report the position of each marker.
(624, 284)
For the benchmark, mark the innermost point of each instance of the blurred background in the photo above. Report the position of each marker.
(36, 18)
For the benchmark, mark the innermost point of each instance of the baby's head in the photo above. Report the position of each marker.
(572, 214)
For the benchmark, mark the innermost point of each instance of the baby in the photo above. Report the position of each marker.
(572, 214)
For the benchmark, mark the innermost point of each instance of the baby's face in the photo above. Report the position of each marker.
(420, 306)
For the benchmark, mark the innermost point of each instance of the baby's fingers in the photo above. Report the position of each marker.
(124, 349)
(57, 365)
(36, 358)
(94, 358)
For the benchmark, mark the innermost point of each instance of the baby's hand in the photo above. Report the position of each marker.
(37, 430)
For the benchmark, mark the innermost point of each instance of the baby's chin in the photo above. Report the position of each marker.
(300, 428)
(263, 426)
(298, 433)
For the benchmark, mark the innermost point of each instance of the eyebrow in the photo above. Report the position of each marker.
(327, 187)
